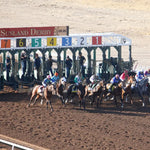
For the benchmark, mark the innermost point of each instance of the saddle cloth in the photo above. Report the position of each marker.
(74, 89)
(41, 89)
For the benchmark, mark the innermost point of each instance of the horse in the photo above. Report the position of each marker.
(148, 88)
(61, 89)
(116, 92)
(127, 89)
(46, 94)
(95, 92)
(80, 93)
(141, 89)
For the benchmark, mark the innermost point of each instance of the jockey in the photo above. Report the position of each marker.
(114, 81)
(124, 76)
(54, 79)
(147, 73)
(139, 76)
(93, 79)
(77, 81)
(45, 82)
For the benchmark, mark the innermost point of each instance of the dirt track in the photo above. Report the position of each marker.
(106, 128)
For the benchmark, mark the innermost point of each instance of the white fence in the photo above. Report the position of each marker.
(13, 145)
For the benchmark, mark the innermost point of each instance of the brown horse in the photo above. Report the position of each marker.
(127, 90)
(61, 89)
(46, 94)
(93, 93)
(116, 92)
(80, 93)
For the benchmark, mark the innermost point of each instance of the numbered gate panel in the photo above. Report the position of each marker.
(36, 42)
(51, 41)
(96, 40)
(66, 41)
(5, 43)
(21, 42)
(82, 41)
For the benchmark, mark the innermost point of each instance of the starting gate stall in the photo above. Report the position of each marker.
(70, 45)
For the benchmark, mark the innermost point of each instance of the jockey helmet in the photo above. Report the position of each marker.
(117, 75)
(126, 71)
(48, 76)
(56, 74)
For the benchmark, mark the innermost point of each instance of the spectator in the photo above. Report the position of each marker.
(68, 63)
(8, 67)
(50, 64)
(37, 65)
(23, 64)
(81, 63)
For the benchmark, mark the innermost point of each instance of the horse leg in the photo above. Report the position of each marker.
(122, 105)
(101, 98)
(62, 100)
(31, 99)
(97, 103)
(92, 99)
(41, 101)
(131, 98)
(80, 103)
(83, 102)
(36, 99)
(48, 101)
(115, 99)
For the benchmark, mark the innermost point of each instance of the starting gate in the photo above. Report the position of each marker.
(95, 47)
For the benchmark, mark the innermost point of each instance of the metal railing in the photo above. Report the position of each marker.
(14, 145)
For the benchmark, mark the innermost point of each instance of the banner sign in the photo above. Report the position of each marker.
(34, 31)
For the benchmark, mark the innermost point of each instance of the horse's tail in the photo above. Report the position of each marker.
(30, 91)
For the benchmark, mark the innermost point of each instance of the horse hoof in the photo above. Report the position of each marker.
(41, 102)
(143, 104)
(71, 101)
(112, 99)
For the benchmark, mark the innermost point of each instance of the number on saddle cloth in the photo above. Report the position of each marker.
(74, 88)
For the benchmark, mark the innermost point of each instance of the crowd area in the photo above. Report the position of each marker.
(49, 65)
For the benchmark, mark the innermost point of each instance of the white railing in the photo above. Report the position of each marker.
(14, 145)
